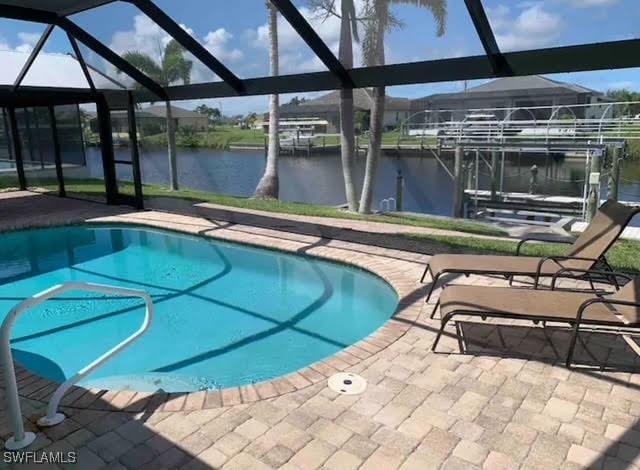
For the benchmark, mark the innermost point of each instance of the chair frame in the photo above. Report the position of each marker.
(537, 275)
(574, 322)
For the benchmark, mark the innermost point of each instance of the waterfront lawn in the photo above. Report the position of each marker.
(219, 137)
(93, 187)
(623, 256)
(222, 137)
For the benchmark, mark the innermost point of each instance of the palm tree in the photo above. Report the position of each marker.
(379, 21)
(171, 68)
(251, 120)
(268, 187)
(348, 33)
(211, 114)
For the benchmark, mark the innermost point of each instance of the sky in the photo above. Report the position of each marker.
(236, 33)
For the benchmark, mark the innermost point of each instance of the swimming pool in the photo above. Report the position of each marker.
(225, 314)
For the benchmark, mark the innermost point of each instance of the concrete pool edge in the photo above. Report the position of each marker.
(407, 311)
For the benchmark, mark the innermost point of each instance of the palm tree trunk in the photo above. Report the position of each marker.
(374, 150)
(171, 148)
(269, 185)
(347, 127)
(377, 110)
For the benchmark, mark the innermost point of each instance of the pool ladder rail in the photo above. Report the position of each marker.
(20, 438)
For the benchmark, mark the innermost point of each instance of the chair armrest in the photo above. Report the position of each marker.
(566, 272)
(606, 301)
(580, 314)
(544, 238)
(557, 259)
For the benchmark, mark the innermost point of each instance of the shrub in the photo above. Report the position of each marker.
(187, 137)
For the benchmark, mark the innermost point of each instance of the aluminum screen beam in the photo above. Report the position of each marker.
(488, 39)
(601, 56)
(32, 57)
(387, 75)
(41, 96)
(189, 43)
(598, 56)
(317, 45)
(317, 81)
(80, 59)
(57, 7)
(40, 16)
(110, 56)
(612, 55)
(27, 14)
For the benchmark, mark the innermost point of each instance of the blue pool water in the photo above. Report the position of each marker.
(225, 314)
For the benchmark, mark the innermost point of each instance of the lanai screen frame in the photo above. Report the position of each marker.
(493, 64)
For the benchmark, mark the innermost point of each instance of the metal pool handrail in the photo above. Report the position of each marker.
(21, 439)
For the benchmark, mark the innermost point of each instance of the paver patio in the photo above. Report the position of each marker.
(506, 402)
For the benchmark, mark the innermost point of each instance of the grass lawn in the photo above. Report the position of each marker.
(624, 255)
(94, 187)
(221, 137)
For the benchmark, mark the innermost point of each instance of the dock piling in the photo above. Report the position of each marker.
(494, 175)
(614, 173)
(399, 191)
(468, 171)
(593, 197)
(533, 182)
(458, 184)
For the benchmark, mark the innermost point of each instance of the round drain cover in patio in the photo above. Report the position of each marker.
(347, 383)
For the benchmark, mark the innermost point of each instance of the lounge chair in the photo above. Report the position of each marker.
(587, 251)
(621, 309)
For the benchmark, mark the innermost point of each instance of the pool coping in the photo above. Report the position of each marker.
(34, 387)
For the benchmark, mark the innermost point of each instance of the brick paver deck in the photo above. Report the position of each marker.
(503, 401)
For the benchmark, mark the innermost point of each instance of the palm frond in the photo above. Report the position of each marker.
(371, 45)
(438, 9)
(145, 64)
(323, 9)
(175, 66)
(377, 14)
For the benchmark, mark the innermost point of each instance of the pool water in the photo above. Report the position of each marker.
(225, 314)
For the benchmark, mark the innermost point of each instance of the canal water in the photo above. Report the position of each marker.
(318, 178)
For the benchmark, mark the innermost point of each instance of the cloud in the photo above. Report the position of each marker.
(147, 37)
(288, 38)
(498, 17)
(533, 27)
(295, 56)
(26, 48)
(216, 43)
(591, 3)
(27, 41)
(29, 38)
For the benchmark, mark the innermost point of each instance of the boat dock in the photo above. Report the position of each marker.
(530, 209)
